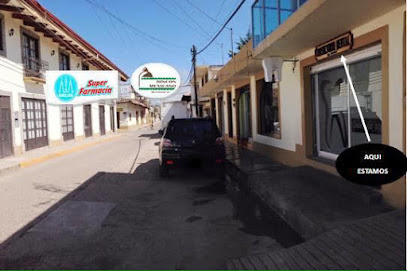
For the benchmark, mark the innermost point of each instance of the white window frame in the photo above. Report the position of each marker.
(365, 54)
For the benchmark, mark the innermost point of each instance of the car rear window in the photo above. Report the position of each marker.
(188, 128)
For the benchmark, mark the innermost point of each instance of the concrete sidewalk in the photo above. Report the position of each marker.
(312, 204)
(10, 164)
(377, 242)
(311, 201)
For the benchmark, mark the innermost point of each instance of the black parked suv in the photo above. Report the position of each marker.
(195, 141)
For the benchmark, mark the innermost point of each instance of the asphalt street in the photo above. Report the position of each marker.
(107, 208)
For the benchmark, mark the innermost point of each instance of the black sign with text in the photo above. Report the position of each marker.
(372, 164)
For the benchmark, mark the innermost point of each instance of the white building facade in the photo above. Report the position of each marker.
(31, 44)
(177, 106)
(307, 116)
(203, 75)
(132, 109)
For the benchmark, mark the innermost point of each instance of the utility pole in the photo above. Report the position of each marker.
(193, 51)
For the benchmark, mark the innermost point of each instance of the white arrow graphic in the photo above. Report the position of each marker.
(343, 60)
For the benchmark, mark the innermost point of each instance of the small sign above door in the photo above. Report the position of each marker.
(334, 46)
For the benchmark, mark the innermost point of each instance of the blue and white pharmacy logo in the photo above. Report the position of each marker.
(66, 88)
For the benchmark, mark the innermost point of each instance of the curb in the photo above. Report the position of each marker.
(44, 158)
(6, 170)
(132, 128)
(41, 159)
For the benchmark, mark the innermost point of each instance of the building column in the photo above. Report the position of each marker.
(253, 105)
(95, 119)
(18, 132)
(107, 118)
(225, 112)
(115, 120)
(234, 111)
(78, 122)
(217, 110)
(54, 125)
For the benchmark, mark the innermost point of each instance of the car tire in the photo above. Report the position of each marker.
(164, 171)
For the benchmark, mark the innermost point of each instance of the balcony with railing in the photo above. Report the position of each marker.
(286, 28)
(267, 15)
(34, 68)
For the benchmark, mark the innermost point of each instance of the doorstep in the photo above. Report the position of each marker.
(29, 158)
(309, 200)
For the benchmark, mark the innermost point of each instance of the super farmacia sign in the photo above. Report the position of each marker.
(79, 87)
(155, 80)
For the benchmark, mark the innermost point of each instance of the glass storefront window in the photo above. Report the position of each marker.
(269, 110)
(337, 122)
(332, 109)
(367, 80)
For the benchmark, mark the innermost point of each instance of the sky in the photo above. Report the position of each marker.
(161, 30)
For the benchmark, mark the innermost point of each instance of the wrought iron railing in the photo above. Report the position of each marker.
(34, 67)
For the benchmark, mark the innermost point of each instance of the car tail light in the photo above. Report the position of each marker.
(219, 141)
(166, 142)
(170, 162)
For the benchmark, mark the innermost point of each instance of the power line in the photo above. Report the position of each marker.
(190, 74)
(217, 14)
(203, 12)
(131, 27)
(223, 27)
(206, 14)
(176, 17)
(135, 29)
(115, 25)
(191, 18)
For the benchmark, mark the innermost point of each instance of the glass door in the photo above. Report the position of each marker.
(67, 122)
(332, 124)
(244, 116)
(34, 123)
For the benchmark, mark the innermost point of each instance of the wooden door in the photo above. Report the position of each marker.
(102, 119)
(35, 126)
(87, 119)
(67, 122)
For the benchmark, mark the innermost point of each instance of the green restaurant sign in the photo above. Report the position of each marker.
(155, 80)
